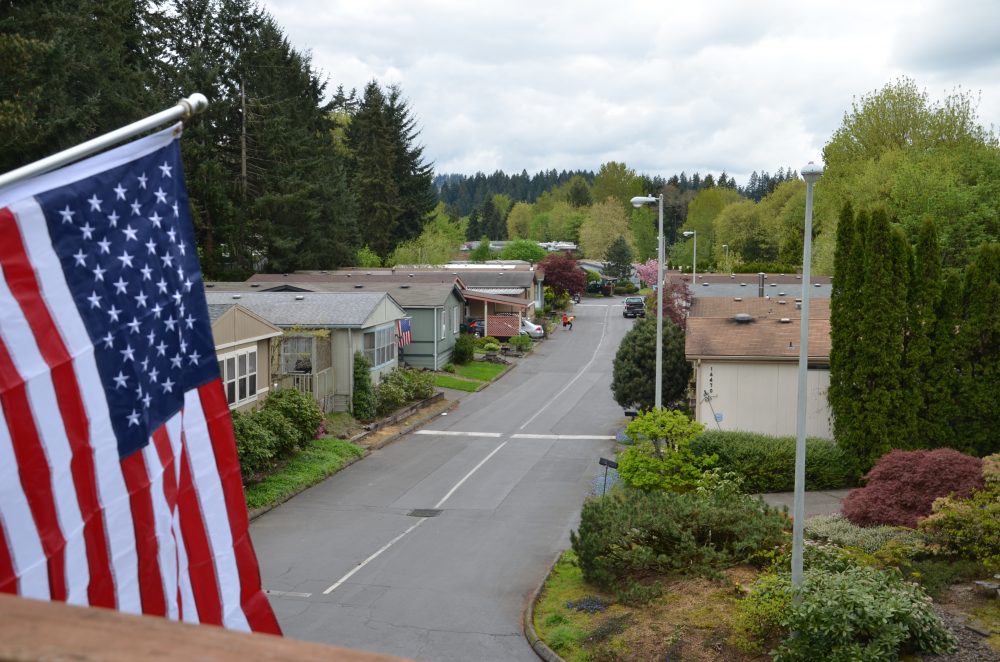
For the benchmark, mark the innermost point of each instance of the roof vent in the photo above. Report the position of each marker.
(781, 294)
(237, 296)
(816, 285)
(404, 287)
(705, 284)
(299, 297)
(798, 300)
(743, 284)
(368, 273)
(798, 277)
(254, 284)
(774, 284)
(732, 275)
(782, 302)
(209, 284)
(785, 320)
(743, 318)
(737, 298)
(411, 275)
(358, 286)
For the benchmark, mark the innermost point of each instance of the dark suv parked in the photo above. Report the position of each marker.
(634, 307)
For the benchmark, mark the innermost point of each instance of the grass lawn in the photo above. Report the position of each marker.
(479, 370)
(323, 458)
(450, 381)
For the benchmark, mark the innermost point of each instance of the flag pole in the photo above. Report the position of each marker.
(185, 109)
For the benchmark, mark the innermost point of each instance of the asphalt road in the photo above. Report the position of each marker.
(349, 562)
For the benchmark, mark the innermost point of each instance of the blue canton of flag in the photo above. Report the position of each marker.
(132, 268)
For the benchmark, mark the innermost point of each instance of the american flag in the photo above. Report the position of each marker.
(119, 481)
(405, 337)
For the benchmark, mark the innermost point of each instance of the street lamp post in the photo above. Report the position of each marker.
(811, 173)
(725, 247)
(637, 202)
(694, 267)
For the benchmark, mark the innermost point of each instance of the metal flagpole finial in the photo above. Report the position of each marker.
(193, 105)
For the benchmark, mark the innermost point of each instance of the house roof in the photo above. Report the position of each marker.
(774, 307)
(324, 309)
(763, 338)
(363, 276)
(475, 295)
(217, 310)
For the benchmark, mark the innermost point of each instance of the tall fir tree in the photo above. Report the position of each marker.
(883, 419)
(414, 177)
(845, 392)
(372, 170)
(978, 347)
(924, 378)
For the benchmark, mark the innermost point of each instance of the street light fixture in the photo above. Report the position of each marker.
(725, 247)
(694, 267)
(639, 201)
(811, 173)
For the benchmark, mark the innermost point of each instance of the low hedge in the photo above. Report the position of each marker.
(767, 463)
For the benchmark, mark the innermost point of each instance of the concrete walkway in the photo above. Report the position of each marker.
(823, 502)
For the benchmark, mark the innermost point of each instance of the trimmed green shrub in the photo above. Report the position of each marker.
(860, 613)
(482, 341)
(286, 437)
(520, 343)
(465, 347)
(767, 463)
(631, 534)
(491, 347)
(902, 485)
(400, 387)
(255, 444)
(300, 410)
(364, 406)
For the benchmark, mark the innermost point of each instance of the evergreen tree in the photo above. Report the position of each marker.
(482, 252)
(634, 370)
(845, 393)
(618, 259)
(372, 171)
(414, 177)
(977, 346)
(925, 378)
(883, 416)
(475, 227)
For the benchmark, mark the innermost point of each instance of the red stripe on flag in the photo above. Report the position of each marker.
(24, 287)
(8, 580)
(161, 442)
(146, 542)
(215, 408)
(204, 581)
(33, 469)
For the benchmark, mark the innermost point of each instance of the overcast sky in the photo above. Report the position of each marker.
(723, 85)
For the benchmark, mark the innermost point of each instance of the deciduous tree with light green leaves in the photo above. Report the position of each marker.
(523, 249)
(604, 223)
(661, 458)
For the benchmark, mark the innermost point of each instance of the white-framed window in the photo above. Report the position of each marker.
(239, 376)
(444, 323)
(454, 320)
(380, 345)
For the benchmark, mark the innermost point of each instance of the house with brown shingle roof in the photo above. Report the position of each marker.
(745, 354)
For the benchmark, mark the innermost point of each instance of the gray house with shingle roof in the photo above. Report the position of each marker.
(436, 307)
(322, 332)
(242, 346)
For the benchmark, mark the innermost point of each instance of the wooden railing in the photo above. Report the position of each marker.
(319, 385)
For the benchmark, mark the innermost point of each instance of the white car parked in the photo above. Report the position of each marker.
(531, 329)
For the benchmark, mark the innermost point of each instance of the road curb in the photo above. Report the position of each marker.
(528, 618)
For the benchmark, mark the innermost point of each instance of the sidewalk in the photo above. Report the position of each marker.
(821, 502)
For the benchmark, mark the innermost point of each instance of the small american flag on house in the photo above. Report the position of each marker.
(404, 335)
(119, 481)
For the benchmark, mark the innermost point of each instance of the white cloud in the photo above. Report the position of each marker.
(729, 85)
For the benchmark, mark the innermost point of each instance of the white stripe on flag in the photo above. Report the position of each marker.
(113, 495)
(24, 543)
(205, 474)
(185, 602)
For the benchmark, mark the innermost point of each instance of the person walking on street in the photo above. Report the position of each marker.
(567, 321)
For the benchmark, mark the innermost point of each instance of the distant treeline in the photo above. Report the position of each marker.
(465, 193)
